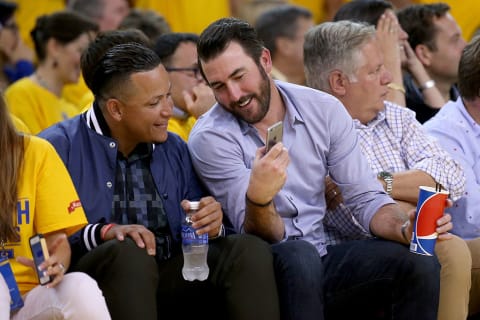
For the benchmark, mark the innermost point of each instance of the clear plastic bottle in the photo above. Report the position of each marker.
(195, 249)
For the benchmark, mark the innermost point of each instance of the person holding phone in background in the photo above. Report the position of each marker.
(38, 196)
(280, 195)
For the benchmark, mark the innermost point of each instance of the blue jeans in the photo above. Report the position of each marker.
(298, 272)
(362, 279)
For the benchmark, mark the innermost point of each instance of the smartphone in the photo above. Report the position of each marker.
(38, 245)
(274, 135)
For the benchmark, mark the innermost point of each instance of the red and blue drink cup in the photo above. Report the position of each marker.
(430, 206)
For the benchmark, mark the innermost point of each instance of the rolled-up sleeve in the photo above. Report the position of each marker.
(424, 153)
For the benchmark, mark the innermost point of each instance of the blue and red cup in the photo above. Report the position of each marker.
(430, 207)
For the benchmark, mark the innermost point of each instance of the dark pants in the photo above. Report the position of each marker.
(240, 285)
(363, 279)
(127, 276)
(298, 270)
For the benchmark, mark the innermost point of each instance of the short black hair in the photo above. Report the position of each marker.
(102, 43)
(368, 11)
(281, 21)
(418, 22)
(6, 11)
(219, 34)
(166, 45)
(106, 70)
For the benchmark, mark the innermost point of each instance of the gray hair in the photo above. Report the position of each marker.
(334, 46)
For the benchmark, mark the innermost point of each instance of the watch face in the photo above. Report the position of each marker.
(385, 175)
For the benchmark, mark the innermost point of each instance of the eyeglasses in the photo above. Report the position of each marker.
(193, 72)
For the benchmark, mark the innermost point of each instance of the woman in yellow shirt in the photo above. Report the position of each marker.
(59, 38)
(38, 196)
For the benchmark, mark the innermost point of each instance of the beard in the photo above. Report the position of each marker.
(262, 97)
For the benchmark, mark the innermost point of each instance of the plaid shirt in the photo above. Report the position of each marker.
(135, 199)
(394, 141)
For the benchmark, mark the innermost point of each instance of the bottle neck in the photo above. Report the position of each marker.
(188, 217)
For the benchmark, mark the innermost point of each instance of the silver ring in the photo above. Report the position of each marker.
(62, 267)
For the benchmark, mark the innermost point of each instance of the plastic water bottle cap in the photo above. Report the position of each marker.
(194, 205)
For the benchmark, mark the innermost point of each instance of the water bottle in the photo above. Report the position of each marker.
(195, 249)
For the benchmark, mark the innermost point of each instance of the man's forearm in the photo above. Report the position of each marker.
(406, 183)
(263, 221)
(387, 223)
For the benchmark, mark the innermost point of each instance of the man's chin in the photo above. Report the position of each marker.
(160, 139)
(251, 117)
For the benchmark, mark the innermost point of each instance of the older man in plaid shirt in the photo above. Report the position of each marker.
(395, 144)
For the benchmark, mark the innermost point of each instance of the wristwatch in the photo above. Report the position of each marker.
(427, 85)
(388, 178)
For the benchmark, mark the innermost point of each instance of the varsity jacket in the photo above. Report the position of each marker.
(90, 157)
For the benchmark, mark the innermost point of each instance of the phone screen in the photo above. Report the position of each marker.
(39, 249)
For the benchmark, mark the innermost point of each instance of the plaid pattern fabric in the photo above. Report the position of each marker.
(340, 225)
(135, 199)
(394, 141)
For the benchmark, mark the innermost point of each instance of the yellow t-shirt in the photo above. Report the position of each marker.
(19, 125)
(182, 127)
(188, 15)
(37, 107)
(47, 202)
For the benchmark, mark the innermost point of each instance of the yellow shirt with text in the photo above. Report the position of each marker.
(47, 202)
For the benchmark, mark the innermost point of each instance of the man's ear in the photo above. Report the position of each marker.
(114, 109)
(424, 54)
(266, 60)
(337, 82)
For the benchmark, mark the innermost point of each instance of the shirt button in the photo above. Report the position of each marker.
(112, 144)
(109, 184)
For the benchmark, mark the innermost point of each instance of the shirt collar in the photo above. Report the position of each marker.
(141, 151)
(96, 121)
(381, 117)
(454, 93)
(293, 115)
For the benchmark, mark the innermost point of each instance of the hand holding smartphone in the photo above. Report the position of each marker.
(38, 245)
(274, 135)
